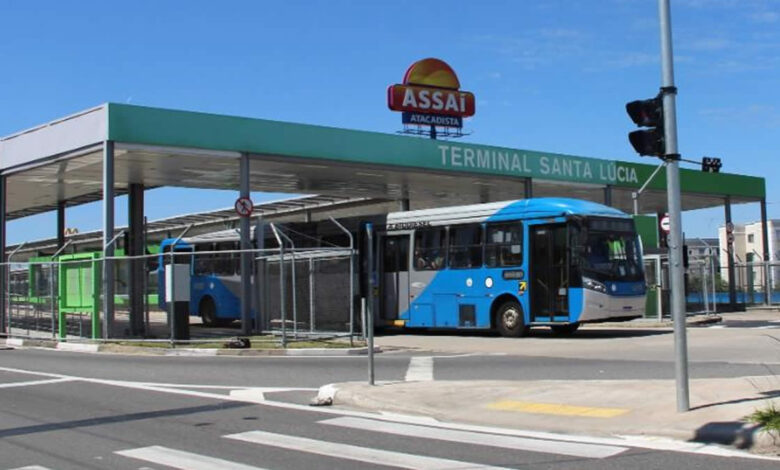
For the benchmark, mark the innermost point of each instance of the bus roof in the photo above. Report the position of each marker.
(504, 210)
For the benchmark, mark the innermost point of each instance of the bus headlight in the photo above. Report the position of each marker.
(594, 285)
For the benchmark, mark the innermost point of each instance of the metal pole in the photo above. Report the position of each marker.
(311, 294)
(5, 272)
(145, 285)
(60, 223)
(246, 254)
(730, 257)
(282, 290)
(704, 290)
(172, 287)
(259, 275)
(172, 296)
(370, 303)
(108, 232)
(294, 289)
(635, 195)
(6, 290)
(673, 194)
(52, 284)
(351, 280)
(766, 251)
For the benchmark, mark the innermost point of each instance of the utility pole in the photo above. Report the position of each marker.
(658, 138)
(669, 92)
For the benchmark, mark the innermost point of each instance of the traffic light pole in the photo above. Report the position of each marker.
(669, 92)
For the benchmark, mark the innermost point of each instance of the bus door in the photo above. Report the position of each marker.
(394, 282)
(549, 276)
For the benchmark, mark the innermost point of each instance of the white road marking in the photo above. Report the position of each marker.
(350, 452)
(768, 327)
(36, 382)
(31, 467)
(643, 442)
(420, 369)
(717, 327)
(573, 449)
(182, 460)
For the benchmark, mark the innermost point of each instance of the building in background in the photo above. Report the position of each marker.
(748, 253)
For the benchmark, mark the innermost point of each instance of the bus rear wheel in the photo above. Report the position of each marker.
(208, 313)
(565, 330)
(510, 320)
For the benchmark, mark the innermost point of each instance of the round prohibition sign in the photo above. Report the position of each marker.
(244, 206)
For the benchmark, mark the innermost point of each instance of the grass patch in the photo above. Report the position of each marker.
(256, 342)
(768, 418)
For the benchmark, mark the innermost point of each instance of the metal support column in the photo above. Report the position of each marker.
(528, 188)
(766, 253)
(608, 195)
(60, 224)
(730, 258)
(403, 204)
(108, 235)
(135, 249)
(246, 255)
(4, 325)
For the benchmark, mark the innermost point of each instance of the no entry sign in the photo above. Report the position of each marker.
(666, 225)
(244, 207)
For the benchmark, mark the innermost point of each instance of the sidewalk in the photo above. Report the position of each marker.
(595, 408)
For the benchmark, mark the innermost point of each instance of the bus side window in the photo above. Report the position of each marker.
(465, 249)
(429, 249)
(504, 244)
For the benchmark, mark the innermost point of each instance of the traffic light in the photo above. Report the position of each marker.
(711, 164)
(650, 114)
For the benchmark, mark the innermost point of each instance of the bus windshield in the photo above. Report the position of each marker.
(611, 251)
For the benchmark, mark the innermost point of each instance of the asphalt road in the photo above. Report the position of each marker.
(74, 411)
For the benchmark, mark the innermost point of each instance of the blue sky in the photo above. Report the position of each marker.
(549, 75)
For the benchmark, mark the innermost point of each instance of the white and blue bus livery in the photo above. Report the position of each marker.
(509, 266)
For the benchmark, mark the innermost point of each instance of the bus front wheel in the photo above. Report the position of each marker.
(510, 320)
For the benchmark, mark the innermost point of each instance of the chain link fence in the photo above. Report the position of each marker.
(296, 294)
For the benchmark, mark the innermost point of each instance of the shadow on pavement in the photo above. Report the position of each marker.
(767, 394)
(541, 332)
(80, 423)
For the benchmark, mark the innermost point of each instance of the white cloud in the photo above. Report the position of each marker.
(765, 17)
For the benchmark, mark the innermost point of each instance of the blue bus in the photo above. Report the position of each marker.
(215, 275)
(509, 266)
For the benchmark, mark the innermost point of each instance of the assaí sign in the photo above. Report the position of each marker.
(430, 95)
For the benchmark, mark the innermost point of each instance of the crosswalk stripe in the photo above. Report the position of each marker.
(31, 467)
(182, 460)
(360, 454)
(574, 449)
(420, 369)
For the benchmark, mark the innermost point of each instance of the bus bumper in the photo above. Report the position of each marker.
(598, 307)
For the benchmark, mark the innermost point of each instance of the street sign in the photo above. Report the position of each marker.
(244, 207)
(666, 225)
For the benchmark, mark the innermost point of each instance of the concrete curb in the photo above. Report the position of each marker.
(742, 436)
(78, 347)
(184, 352)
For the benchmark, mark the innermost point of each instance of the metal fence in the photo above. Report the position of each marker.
(708, 290)
(297, 294)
